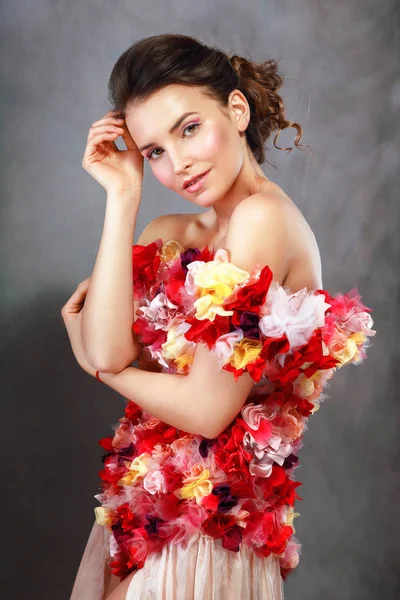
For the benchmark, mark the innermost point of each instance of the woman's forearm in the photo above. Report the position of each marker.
(167, 396)
(107, 315)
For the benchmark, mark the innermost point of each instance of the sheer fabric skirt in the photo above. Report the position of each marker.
(204, 570)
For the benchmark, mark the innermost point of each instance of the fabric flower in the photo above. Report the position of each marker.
(154, 481)
(138, 468)
(159, 311)
(145, 263)
(197, 484)
(104, 516)
(294, 315)
(177, 344)
(213, 282)
(251, 296)
(257, 423)
(264, 457)
(171, 250)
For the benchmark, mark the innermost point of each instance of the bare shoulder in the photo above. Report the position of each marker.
(166, 227)
(265, 206)
(270, 229)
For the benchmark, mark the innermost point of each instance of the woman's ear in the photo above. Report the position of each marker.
(239, 109)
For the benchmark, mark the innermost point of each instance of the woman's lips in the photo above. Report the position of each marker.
(196, 186)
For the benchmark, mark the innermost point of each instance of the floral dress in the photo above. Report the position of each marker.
(197, 518)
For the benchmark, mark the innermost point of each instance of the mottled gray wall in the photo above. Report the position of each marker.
(340, 59)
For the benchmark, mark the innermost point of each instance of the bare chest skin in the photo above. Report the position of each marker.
(198, 231)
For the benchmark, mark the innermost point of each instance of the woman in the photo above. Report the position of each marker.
(198, 486)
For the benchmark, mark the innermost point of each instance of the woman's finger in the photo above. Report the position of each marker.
(111, 122)
(108, 118)
(105, 129)
(85, 282)
(128, 139)
(77, 299)
(75, 302)
(91, 147)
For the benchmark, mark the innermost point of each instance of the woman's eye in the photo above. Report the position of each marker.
(150, 155)
(192, 125)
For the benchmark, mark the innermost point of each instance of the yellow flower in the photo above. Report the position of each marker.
(103, 515)
(198, 484)
(350, 350)
(315, 409)
(290, 516)
(245, 352)
(305, 385)
(176, 344)
(171, 250)
(138, 468)
(206, 308)
(216, 281)
(183, 362)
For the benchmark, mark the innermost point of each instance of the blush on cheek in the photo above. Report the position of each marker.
(164, 176)
(214, 141)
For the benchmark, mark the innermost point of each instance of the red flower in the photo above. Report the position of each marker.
(145, 263)
(279, 486)
(222, 525)
(251, 296)
(148, 333)
(232, 538)
(133, 412)
(173, 478)
(207, 331)
(242, 489)
(138, 548)
(172, 289)
(273, 532)
(217, 524)
(118, 566)
(303, 406)
(273, 346)
(210, 502)
(234, 463)
(128, 519)
(162, 434)
(112, 476)
(106, 443)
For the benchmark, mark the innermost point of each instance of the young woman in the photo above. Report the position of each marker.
(225, 312)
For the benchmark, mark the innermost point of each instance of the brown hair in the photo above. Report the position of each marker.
(157, 61)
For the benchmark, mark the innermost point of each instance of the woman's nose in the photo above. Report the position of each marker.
(180, 163)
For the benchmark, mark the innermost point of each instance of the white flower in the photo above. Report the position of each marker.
(294, 315)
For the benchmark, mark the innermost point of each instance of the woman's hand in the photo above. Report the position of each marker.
(114, 169)
(72, 315)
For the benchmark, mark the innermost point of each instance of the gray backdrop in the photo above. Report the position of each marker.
(341, 62)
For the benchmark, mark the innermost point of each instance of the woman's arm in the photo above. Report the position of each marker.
(207, 399)
(202, 405)
(107, 316)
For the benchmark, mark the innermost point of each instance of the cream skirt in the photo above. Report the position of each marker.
(204, 570)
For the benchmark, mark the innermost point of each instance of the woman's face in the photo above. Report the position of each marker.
(206, 139)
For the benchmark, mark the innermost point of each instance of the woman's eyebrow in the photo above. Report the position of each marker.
(172, 129)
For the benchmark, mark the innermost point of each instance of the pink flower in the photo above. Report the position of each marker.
(257, 419)
(154, 482)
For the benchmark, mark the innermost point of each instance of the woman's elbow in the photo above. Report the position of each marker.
(108, 364)
(211, 429)
(117, 360)
(112, 365)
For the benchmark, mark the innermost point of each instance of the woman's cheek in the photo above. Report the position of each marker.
(214, 141)
(164, 175)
